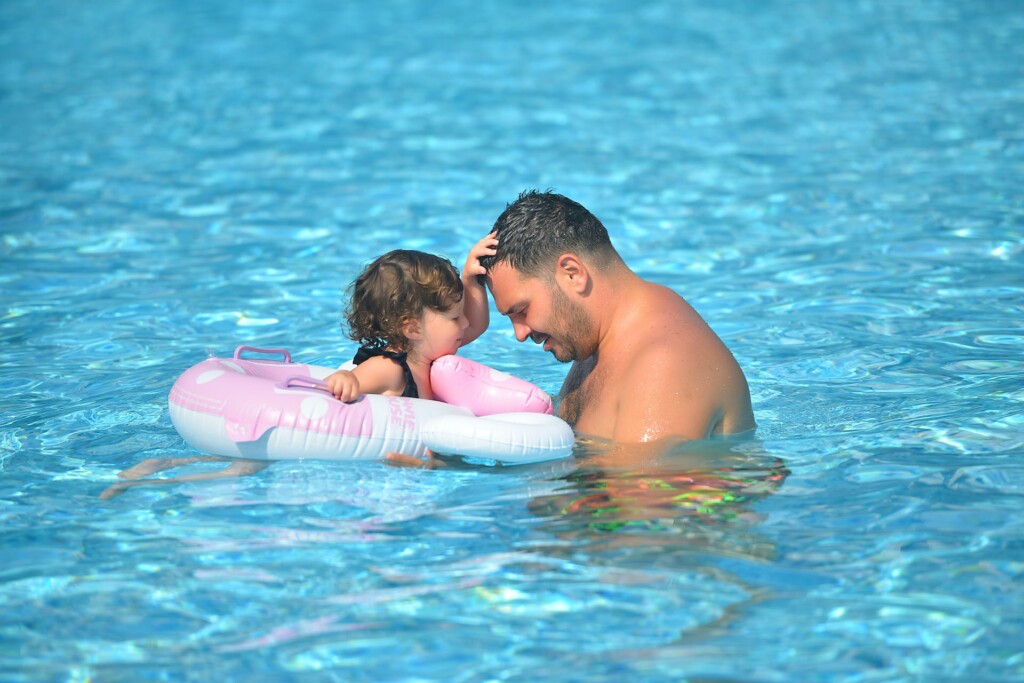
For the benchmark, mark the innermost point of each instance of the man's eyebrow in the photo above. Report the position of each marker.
(508, 311)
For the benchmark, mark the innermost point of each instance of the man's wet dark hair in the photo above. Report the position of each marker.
(538, 227)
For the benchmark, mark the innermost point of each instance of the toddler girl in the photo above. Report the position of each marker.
(406, 310)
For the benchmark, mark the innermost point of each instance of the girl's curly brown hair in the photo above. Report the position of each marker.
(395, 289)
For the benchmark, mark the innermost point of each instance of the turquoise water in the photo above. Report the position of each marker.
(834, 185)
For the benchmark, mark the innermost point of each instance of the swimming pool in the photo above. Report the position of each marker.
(834, 185)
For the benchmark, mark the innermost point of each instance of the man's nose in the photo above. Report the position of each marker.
(522, 331)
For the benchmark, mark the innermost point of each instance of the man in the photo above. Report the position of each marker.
(646, 367)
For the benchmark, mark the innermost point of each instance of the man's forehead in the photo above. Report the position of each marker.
(503, 272)
(506, 283)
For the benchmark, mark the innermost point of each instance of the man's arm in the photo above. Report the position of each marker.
(666, 396)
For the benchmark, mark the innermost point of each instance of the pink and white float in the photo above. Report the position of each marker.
(267, 409)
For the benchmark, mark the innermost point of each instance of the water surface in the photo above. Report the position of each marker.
(835, 186)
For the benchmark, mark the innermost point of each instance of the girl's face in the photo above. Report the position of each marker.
(440, 332)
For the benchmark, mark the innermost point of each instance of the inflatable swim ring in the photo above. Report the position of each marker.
(267, 409)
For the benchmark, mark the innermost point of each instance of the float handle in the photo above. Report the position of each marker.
(304, 380)
(240, 349)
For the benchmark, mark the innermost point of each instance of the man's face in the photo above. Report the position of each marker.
(539, 310)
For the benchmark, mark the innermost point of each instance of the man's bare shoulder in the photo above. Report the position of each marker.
(686, 372)
(659, 359)
(664, 320)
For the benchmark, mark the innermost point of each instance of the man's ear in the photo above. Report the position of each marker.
(573, 273)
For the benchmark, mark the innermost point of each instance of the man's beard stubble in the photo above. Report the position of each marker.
(574, 332)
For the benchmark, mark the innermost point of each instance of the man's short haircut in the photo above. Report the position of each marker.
(538, 227)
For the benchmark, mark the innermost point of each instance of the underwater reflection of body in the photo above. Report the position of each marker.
(698, 497)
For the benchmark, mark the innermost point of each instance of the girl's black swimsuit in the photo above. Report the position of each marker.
(410, 382)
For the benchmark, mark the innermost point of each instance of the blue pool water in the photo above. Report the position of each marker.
(835, 185)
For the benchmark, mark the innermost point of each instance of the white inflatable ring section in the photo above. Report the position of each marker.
(509, 437)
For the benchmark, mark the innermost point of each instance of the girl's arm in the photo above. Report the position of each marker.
(377, 375)
(475, 296)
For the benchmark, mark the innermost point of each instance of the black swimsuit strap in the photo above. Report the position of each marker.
(411, 391)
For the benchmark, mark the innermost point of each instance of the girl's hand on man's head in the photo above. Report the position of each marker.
(485, 247)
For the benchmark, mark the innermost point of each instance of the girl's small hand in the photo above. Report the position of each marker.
(344, 385)
(485, 247)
